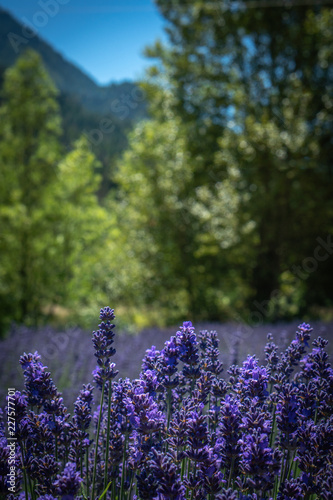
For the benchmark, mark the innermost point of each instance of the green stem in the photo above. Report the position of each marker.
(295, 469)
(24, 476)
(291, 464)
(194, 476)
(105, 491)
(182, 470)
(55, 442)
(281, 472)
(81, 460)
(114, 488)
(169, 397)
(96, 444)
(286, 466)
(121, 495)
(188, 473)
(107, 437)
(87, 472)
(131, 487)
(275, 488)
(231, 471)
(273, 428)
(169, 406)
(32, 488)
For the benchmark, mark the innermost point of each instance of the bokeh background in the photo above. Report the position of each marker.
(171, 159)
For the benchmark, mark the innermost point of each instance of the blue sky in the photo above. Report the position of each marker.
(104, 38)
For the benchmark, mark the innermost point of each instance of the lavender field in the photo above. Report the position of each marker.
(171, 432)
(69, 354)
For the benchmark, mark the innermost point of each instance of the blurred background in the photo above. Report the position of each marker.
(172, 159)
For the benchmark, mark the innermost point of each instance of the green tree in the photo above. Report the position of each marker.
(29, 151)
(284, 197)
(154, 248)
(173, 235)
(253, 87)
(52, 227)
(81, 229)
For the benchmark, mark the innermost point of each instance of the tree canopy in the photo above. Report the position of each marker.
(251, 87)
(220, 208)
(49, 213)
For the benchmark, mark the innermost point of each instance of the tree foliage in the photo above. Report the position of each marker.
(173, 234)
(251, 87)
(49, 214)
(153, 182)
(221, 197)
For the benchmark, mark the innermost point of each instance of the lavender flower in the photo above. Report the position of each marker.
(271, 355)
(177, 431)
(68, 482)
(103, 339)
(168, 481)
(197, 436)
(143, 412)
(167, 364)
(43, 469)
(317, 391)
(287, 409)
(228, 494)
(256, 418)
(252, 380)
(229, 434)
(188, 350)
(326, 486)
(150, 382)
(82, 408)
(291, 490)
(208, 343)
(39, 387)
(259, 461)
(122, 389)
(147, 485)
(295, 351)
(150, 359)
(315, 452)
(209, 477)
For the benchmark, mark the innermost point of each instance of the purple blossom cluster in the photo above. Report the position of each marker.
(181, 430)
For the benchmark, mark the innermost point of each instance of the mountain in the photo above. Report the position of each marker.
(84, 104)
(15, 38)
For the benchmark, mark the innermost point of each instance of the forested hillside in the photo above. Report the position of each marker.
(83, 104)
(16, 37)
